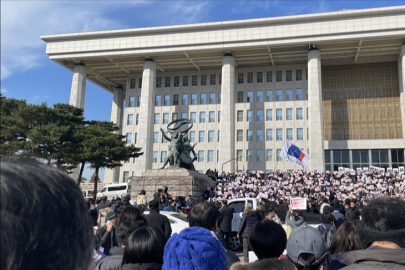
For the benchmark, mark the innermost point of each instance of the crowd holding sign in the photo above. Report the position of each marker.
(298, 203)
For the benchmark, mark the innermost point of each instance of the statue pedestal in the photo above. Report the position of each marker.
(180, 182)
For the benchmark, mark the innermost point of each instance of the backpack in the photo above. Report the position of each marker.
(327, 236)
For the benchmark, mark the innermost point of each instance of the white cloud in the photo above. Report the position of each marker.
(4, 90)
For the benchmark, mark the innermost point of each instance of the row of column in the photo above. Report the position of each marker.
(227, 125)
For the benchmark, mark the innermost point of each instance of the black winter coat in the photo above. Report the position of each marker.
(225, 220)
(142, 266)
(159, 221)
(247, 222)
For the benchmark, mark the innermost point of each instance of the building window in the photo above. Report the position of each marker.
(154, 156)
(259, 115)
(183, 115)
(288, 95)
(307, 133)
(219, 98)
(249, 116)
(298, 75)
(210, 156)
(306, 94)
(165, 118)
(158, 100)
(203, 79)
(259, 155)
(129, 138)
(219, 133)
(202, 117)
(185, 99)
(192, 136)
(163, 156)
(130, 120)
(167, 100)
(288, 76)
(137, 119)
(269, 115)
(219, 116)
(155, 137)
(194, 80)
(132, 84)
(239, 116)
(298, 94)
(212, 98)
(249, 154)
(279, 114)
(163, 138)
(131, 101)
(157, 118)
(176, 81)
(259, 96)
(278, 155)
(289, 114)
(220, 79)
(300, 134)
(269, 134)
(211, 117)
(174, 116)
(139, 102)
(185, 80)
(193, 117)
(193, 99)
(239, 155)
(269, 155)
(158, 82)
(203, 98)
(250, 96)
(306, 74)
(136, 137)
(240, 78)
(200, 155)
(249, 135)
(213, 79)
(239, 135)
(279, 134)
(279, 76)
(140, 83)
(259, 135)
(167, 81)
(250, 77)
(269, 76)
(201, 136)
(279, 95)
(307, 113)
(211, 136)
(240, 96)
(269, 95)
(125, 176)
(176, 99)
(259, 78)
(290, 135)
(299, 114)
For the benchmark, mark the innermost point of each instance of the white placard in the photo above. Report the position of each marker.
(358, 170)
(341, 169)
(395, 170)
(401, 170)
(365, 169)
(389, 170)
(298, 203)
(372, 168)
(382, 170)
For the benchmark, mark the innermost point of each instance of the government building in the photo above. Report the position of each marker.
(331, 83)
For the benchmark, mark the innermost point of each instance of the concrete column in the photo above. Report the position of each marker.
(78, 89)
(315, 120)
(227, 125)
(113, 175)
(145, 126)
(401, 73)
(77, 94)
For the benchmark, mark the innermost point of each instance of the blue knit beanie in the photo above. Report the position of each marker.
(194, 248)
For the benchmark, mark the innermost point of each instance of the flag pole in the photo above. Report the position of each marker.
(276, 165)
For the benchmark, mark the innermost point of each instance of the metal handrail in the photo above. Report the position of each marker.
(228, 162)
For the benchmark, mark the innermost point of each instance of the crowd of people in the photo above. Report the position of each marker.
(48, 225)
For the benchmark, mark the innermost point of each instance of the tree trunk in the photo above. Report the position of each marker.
(95, 184)
(79, 179)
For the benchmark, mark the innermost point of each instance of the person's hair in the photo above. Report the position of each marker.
(307, 259)
(145, 245)
(189, 196)
(327, 218)
(153, 205)
(143, 192)
(37, 230)
(141, 208)
(118, 206)
(128, 221)
(203, 215)
(267, 239)
(159, 190)
(268, 209)
(345, 238)
(224, 202)
(297, 214)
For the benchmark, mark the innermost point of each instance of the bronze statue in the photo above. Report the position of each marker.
(179, 147)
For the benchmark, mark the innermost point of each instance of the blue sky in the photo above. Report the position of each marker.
(27, 73)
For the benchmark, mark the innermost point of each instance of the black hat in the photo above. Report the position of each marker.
(111, 215)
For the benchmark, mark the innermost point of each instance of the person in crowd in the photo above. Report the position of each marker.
(268, 240)
(312, 208)
(339, 218)
(350, 213)
(172, 207)
(344, 240)
(108, 232)
(306, 249)
(101, 205)
(158, 220)
(342, 208)
(323, 204)
(128, 221)
(225, 222)
(381, 233)
(260, 211)
(270, 213)
(141, 208)
(189, 202)
(249, 218)
(197, 247)
(144, 249)
(298, 218)
(327, 227)
(93, 212)
(49, 226)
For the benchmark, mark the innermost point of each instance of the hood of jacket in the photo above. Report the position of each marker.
(247, 211)
(377, 257)
(266, 264)
(111, 262)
